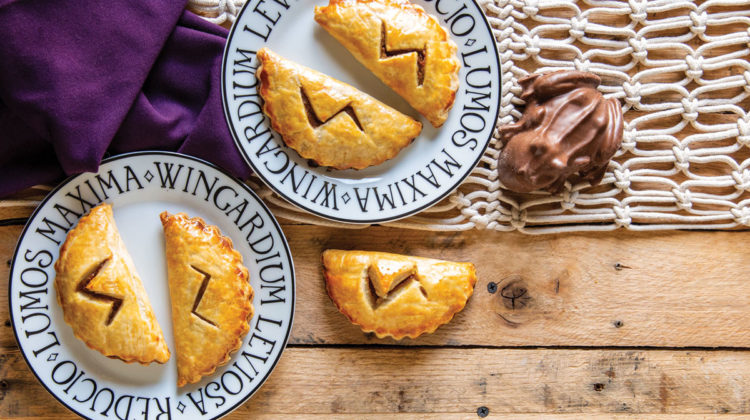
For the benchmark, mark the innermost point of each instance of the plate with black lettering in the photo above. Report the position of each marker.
(139, 186)
(422, 174)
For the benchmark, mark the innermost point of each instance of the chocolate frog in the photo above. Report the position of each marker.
(567, 130)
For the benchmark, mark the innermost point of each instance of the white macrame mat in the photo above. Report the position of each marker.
(680, 68)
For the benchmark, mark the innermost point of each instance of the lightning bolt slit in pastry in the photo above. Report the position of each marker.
(403, 46)
(101, 294)
(329, 121)
(211, 295)
(396, 295)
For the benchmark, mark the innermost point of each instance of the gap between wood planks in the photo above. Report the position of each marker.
(18, 221)
(489, 347)
(13, 349)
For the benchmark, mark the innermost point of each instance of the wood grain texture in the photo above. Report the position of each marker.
(8, 238)
(505, 416)
(670, 289)
(458, 381)
(473, 416)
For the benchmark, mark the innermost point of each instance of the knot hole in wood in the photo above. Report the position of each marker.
(523, 298)
(515, 294)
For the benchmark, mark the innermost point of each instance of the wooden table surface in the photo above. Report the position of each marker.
(651, 325)
(619, 324)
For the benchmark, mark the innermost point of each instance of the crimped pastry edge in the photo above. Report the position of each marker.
(440, 116)
(262, 76)
(64, 249)
(225, 242)
(404, 332)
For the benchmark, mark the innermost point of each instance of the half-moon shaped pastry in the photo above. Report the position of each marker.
(329, 121)
(396, 295)
(211, 295)
(403, 46)
(101, 295)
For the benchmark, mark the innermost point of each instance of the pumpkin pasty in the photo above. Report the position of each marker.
(211, 295)
(328, 121)
(101, 295)
(396, 295)
(403, 46)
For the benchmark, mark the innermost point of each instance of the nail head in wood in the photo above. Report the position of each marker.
(483, 411)
(619, 266)
(618, 324)
(492, 287)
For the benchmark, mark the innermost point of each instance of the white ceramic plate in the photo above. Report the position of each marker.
(422, 174)
(139, 188)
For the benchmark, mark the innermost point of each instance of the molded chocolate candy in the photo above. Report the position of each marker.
(568, 130)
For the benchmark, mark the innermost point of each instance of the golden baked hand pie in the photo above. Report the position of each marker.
(329, 121)
(101, 295)
(211, 295)
(396, 295)
(404, 46)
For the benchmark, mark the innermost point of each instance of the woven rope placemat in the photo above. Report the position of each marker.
(680, 69)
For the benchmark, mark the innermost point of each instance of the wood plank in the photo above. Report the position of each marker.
(504, 416)
(473, 416)
(8, 238)
(15, 214)
(674, 289)
(23, 203)
(458, 381)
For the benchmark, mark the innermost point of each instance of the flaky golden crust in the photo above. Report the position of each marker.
(329, 121)
(211, 295)
(392, 38)
(94, 272)
(396, 295)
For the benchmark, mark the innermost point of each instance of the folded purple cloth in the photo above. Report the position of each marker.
(79, 79)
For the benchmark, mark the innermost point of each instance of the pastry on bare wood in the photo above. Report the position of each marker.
(396, 295)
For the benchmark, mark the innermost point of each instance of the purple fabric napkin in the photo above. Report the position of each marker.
(81, 79)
